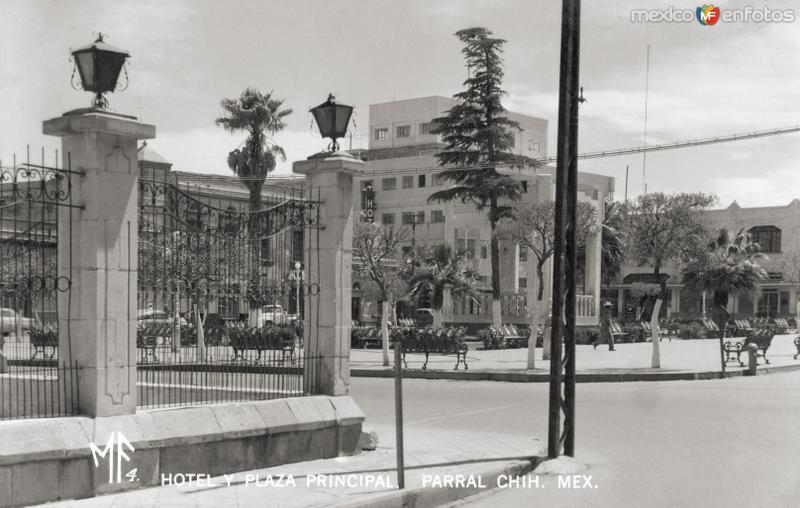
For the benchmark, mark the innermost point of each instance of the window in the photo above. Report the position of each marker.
(381, 134)
(768, 303)
(523, 255)
(534, 146)
(420, 218)
(512, 140)
(387, 218)
(768, 238)
(438, 180)
(484, 252)
(408, 218)
(523, 282)
(425, 128)
(403, 131)
(437, 216)
(408, 182)
(421, 181)
(466, 247)
(388, 184)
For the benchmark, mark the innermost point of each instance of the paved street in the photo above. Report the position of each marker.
(731, 442)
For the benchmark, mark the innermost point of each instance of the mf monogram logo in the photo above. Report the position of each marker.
(116, 449)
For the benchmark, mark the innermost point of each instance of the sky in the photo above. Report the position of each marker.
(187, 55)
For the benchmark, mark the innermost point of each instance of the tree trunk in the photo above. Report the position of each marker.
(656, 358)
(540, 276)
(201, 342)
(494, 247)
(438, 318)
(385, 332)
(176, 324)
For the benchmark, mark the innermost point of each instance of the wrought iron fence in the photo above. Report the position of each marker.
(222, 291)
(36, 205)
(38, 390)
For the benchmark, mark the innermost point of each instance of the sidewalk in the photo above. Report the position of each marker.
(433, 456)
(680, 359)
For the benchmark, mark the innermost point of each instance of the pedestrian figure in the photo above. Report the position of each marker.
(605, 328)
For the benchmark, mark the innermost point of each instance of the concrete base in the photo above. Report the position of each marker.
(210, 440)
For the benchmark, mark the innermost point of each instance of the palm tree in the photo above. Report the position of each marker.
(729, 266)
(260, 116)
(442, 275)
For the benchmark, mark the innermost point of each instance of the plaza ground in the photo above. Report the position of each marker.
(676, 356)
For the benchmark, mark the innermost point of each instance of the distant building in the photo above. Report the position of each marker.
(777, 231)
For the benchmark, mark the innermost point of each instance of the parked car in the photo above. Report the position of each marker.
(8, 321)
(273, 314)
(156, 317)
(423, 316)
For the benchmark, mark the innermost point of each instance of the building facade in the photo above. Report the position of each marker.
(401, 174)
(777, 231)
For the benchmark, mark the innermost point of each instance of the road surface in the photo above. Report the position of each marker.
(731, 442)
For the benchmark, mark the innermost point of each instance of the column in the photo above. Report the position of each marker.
(327, 329)
(97, 248)
(592, 271)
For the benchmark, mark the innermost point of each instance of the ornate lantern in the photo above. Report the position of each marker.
(332, 120)
(99, 66)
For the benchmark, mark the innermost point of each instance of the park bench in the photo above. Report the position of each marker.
(743, 327)
(506, 336)
(648, 330)
(275, 337)
(616, 331)
(428, 341)
(783, 325)
(147, 339)
(365, 337)
(43, 339)
(761, 337)
(712, 329)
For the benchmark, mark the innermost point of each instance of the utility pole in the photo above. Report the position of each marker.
(646, 96)
(564, 258)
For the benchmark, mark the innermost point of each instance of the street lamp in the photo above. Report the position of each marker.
(99, 66)
(332, 120)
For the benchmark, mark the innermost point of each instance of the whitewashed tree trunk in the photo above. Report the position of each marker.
(201, 339)
(176, 325)
(385, 332)
(497, 316)
(546, 345)
(438, 319)
(655, 361)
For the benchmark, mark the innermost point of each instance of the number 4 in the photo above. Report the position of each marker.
(131, 475)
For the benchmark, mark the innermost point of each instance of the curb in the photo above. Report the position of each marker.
(421, 497)
(586, 377)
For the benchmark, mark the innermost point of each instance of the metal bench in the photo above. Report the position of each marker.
(43, 339)
(429, 341)
(271, 337)
(762, 338)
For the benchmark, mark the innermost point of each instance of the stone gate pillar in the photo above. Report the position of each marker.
(327, 329)
(97, 248)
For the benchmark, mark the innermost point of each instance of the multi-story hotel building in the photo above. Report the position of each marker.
(402, 172)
